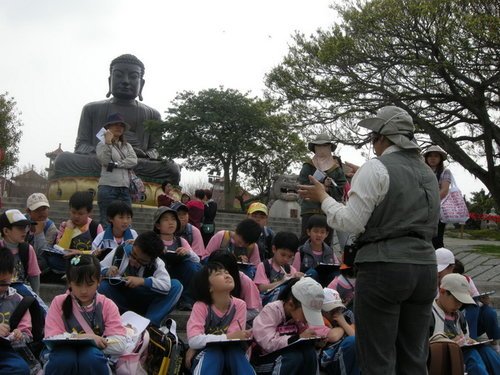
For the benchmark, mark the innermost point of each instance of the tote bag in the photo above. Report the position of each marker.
(453, 207)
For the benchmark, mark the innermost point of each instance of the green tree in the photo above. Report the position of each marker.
(437, 59)
(226, 131)
(10, 132)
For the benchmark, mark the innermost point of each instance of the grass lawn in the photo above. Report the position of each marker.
(476, 234)
(488, 249)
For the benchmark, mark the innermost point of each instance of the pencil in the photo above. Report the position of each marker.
(239, 324)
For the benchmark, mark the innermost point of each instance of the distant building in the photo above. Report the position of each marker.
(52, 157)
(27, 183)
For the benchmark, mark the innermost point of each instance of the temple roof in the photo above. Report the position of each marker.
(54, 153)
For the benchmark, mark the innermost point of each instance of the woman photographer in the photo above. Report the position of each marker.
(116, 157)
(327, 169)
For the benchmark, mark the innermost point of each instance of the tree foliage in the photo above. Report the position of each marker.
(437, 59)
(229, 132)
(10, 132)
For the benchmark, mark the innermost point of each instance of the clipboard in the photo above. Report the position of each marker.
(115, 280)
(476, 344)
(55, 342)
(229, 342)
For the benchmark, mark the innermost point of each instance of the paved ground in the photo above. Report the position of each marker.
(484, 269)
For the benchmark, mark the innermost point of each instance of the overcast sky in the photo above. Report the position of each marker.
(56, 55)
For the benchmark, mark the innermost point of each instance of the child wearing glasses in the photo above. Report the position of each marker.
(136, 279)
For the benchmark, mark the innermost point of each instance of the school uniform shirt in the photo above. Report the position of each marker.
(158, 282)
(197, 338)
(8, 303)
(198, 245)
(448, 324)
(114, 330)
(260, 273)
(250, 293)
(19, 272)
(216, 240)
(106, 240)
(265, 326)
(193, 257)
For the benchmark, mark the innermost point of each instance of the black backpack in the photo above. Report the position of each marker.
(37, 321)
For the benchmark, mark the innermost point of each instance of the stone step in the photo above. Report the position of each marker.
(49, 291)
(143, 216)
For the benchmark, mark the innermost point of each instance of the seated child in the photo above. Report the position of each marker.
(180, 260)
(10, 361)
(83, 313)
(119, 214)
(217, 317)
(258, 211)
(244, 287)
(272, 274)
(187, 230)
(43, 232)
(77, 233)
(344, 284)
(295, 315)
(241, 242)
(137, 279)
(481, 318)
(13, 227)
(448, 319)
(315, 252)
(339, 357)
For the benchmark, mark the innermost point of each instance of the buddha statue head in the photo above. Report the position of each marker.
(126, 80)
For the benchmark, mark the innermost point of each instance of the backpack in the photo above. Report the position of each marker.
(188, 234)
(93, 229)
(445, 356)
(225, 244)
(37, 327)
(24, 255)
(134, 362)
(166, 351)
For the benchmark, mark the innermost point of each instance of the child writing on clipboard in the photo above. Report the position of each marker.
(82, 313)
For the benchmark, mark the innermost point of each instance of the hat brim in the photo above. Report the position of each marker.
(375, 123)
(22, 223)
(332, 305)
(36, 205)
(444, 156)
(108, 124)
(465, 298)
(313, 317)
(402, 141)
(257, 210)
(442, 267)
(311, 145)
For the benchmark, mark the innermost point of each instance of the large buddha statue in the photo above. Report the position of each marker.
(126, 81)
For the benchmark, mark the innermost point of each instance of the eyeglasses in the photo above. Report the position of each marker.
(142, 262)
